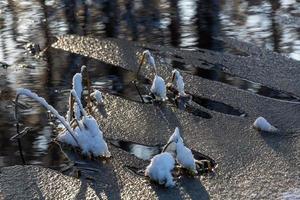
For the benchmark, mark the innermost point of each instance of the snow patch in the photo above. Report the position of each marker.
(160, 169)
(90, 138)
(175, 136)
(263, 125)
(78, 108)
(97, 95)
(150, 59)
(178, 82)
(158, 88)
(77, 84)
(184, 157)
(291, 195)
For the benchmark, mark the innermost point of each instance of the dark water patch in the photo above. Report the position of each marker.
(217, 74)
(202, 157)
(218, 106)
(178, 57)
(141, 151)
(21, 105)
(183, 103)
(4, 65)
(146, 152)
(105, 77)
(22, 133)
(197, 112)
(196, 25)
(112, 79)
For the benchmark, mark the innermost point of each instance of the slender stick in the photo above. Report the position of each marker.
(77, 122)
(71, 108)
(136, 87)
(85, 74)
(166, 146)
(140, 66)
(173, 77)
(21, 151)
(76, 98)
(20, 145)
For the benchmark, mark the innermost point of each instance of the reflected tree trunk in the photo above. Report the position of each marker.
(174, 26)
(70, 13)
(208, 25)
(111, 18)
(276, 32)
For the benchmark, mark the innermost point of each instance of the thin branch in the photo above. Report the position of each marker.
(86, 76)
(136, 87)
(140, 66)
(71, 108)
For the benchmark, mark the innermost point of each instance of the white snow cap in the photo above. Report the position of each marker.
(171, 144)
(97, 95)
(150, 59)
(77, 84)
(183, 154)
(78, 106)
(90, 138)
(178, 82)
(83, 68)
(263, 125)
(184, 157)
(158, 88)
(160, 169)
(175, 136)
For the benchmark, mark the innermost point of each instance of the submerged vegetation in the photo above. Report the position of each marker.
(80, 128)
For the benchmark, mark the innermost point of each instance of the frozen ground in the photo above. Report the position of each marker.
(252, 165)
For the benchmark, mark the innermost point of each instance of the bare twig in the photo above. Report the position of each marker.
(136, 87)
(85, 75)
(140, 66)
(71, 108)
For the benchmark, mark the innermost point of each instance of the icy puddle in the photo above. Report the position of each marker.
(145, 152)
(216, 73)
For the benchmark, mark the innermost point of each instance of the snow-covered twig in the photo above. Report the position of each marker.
(79, 104)
(71, 109)
(77, 84)
(43, 102)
